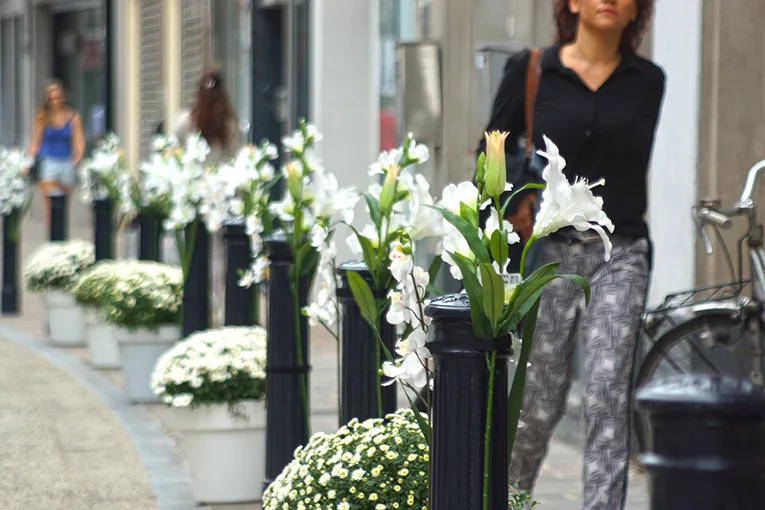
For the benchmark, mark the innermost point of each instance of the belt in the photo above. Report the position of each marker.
(570, 236)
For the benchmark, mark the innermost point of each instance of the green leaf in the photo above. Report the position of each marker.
(481, 325)
(493, 294)
(374, 208)
(515, 399)
(370, 254)
(583, 283)
(434, 268)
(529, 186)
(364, 298)
(421, 422)
(480, 169)
(469, 232)
(499, 247)
(469, 214)
(435, 291)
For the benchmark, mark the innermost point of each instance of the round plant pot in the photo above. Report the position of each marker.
(104, 351)
(139, 351)
(226, 454)
(65, 324)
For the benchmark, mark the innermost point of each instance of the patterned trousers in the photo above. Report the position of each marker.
(607, 329)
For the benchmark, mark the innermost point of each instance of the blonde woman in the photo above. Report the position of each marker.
(58, 143)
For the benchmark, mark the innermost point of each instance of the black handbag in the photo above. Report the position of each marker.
(522, 166)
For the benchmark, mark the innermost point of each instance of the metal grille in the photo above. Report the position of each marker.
(195, 46)
(152, 104)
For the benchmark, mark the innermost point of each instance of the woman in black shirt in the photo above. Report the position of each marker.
(599, 103)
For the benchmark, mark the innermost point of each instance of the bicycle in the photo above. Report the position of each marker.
(725, 320)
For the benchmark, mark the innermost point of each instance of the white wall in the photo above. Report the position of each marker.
(673, 178)
(345, 91)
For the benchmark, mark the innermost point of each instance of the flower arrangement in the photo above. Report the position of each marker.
(172, 185)
(241, 189)
(377, 464)
(13, 182)
(96, 283)
(400, 213)
(224, 365)
(106, 174)
(57, 266)
(500, 303)
(309, 213)
(136, 294)
(14, 188)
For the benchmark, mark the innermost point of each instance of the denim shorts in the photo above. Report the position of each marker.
(62, 171)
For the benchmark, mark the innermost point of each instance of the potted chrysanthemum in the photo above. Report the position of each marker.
(214, 381)
(95, 286)
(143, 301)
(52, 270)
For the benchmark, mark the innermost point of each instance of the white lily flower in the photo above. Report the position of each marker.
(492, 225)
(462, 193)
(385, 161)
(454, 242)
(564, 204)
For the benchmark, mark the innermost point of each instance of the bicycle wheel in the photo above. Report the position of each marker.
(715, 344)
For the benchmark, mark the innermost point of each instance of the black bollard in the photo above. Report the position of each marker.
(196, 300)
(239, 300)
(362, 355)
(10, 293)
(460, 395)
(149, 236)
(286, 425)
(58, 216)
(707, 447)
(103, 228)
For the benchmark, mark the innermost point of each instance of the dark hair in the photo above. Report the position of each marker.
(212, 113)
(566, 22)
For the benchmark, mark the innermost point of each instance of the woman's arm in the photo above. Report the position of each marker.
(78, 139)
(183, 127)
(507, 112)
(35, 143)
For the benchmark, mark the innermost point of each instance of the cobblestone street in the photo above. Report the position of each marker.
(71, 441)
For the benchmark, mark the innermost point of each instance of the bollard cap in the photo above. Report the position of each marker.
(277, 246)
(357, 266)
(703, 392)
(234, 228)
(452, 307)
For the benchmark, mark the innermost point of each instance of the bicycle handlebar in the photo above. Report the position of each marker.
(746, 201)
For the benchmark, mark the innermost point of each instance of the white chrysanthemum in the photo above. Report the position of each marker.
(346, 471)
(56, 266)
(224, 365)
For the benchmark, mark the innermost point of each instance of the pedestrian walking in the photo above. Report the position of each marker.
(599, 102)
(57, 144)
(213, 116)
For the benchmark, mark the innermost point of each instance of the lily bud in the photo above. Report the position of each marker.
(295, 181)
(496, 173)
(389, 189)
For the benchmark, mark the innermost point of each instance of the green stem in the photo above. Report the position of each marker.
(14, 220)
(487, 434)
(379, 384)
(299, 349)
(525, 251)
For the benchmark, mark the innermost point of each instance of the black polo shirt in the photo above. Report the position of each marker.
(607, 133)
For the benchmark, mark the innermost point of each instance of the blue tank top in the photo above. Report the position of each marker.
(57, 142)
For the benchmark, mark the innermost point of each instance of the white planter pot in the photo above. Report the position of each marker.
(226, 455)
(139, 351)
(104, 351)
(65, 323)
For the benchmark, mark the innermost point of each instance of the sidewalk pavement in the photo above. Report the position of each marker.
(71, 441)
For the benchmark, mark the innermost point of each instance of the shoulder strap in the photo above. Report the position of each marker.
(533, 75)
